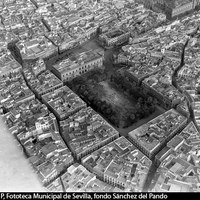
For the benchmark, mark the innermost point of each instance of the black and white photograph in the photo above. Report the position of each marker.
(99, 99)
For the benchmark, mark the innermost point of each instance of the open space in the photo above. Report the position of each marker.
(123, 111)
(115, 97)
(123, 104)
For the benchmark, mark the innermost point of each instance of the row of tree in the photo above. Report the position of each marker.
(88, 89)
(93, 99)
(145, 104)
(15, 52)
(130, 87)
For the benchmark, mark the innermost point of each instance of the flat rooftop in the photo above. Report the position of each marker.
(76, 60)
(64, 101)
(151, 135)
(43, 82)
(85, 129)
(122, 161)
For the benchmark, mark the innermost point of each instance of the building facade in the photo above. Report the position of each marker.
(114, 37)
(70, 68)
(172, 8)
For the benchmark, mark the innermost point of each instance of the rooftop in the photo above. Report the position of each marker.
(121, 161)
(85, 130)
(79, 179)
(151, 135)
(38, 47)
(179, 170)
(76, 60)
(64, 102)
(45, 148)
(42, 83)
(25, 115)
(13, 90)
(7, 63)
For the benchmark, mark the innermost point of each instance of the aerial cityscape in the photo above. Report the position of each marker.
(100, 95)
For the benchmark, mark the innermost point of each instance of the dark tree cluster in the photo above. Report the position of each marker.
(145, 104)
(15, 52)
(85, 90)
(90, 91)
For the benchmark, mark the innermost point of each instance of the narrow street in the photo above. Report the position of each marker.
(174, 76)
(175, 84)
(109, 70)
(154, 167)
(150, 176)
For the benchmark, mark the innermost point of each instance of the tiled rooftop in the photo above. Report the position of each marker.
(45, 148)
(86, 130)
(79, 179)
(64, 102)
(122, 162)
(42, 83)
(41, 26)
(179, 171)
(24, 115)
(38, 47)
(13, 90)
(143, 65)
(7, 63)
(151, 136)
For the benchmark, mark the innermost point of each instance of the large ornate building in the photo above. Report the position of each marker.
(78, 64)
(172, 8)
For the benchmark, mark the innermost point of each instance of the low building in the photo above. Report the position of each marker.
(24, 115)
(142, 66)
(183, 109)
(36, 67)
(120, 164)
(14, 91)
(8, 64)
(55, 186)
(151, 137)
(179, 165)
(45, 149)
(62, 40)
(43, 83)
(63, 102)
(86, 131)
(79, 179)
(161, 88)
(34, 48)
(78, 64)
